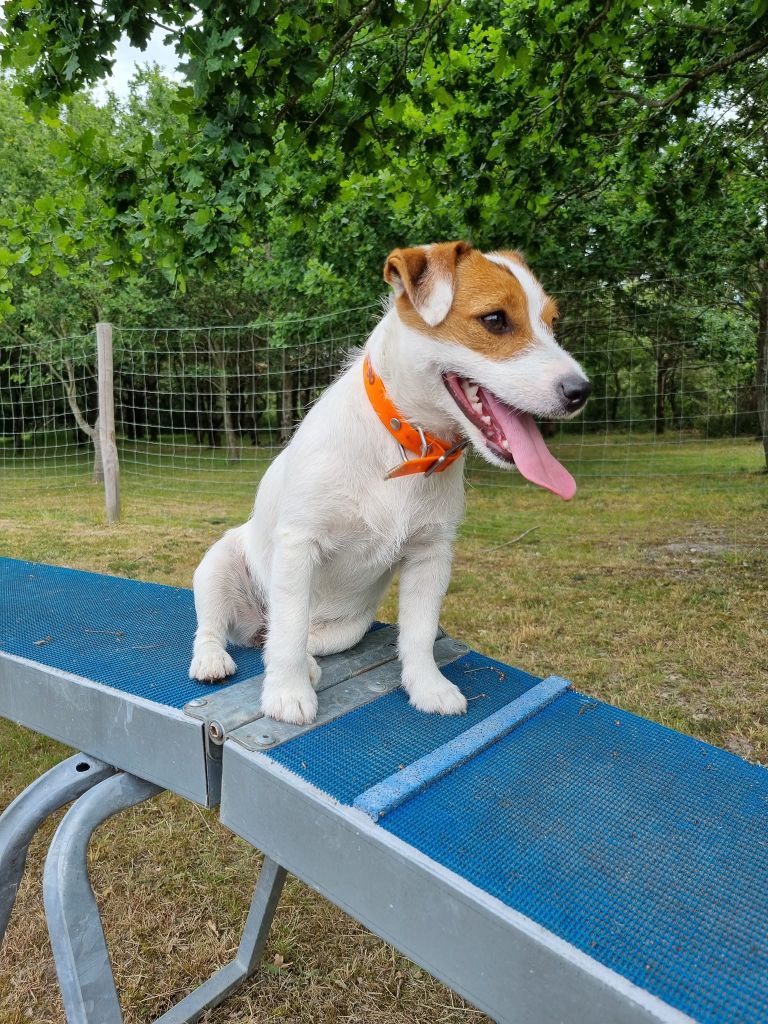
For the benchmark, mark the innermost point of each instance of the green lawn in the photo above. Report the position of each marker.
(648, 590)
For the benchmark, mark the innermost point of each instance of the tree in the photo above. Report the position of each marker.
(310, 140)
(528, 104)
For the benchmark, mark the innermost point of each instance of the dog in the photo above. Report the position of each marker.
(372, 480)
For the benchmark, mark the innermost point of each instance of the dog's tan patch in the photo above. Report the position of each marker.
(424, 275)
(550, 312)
(480, 287)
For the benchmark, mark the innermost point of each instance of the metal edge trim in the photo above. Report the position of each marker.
(190, 779)
(92, 684)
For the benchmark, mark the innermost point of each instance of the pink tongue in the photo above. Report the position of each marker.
(531, 455)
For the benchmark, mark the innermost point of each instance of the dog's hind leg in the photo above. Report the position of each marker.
(250, 626)
(337, 635)
(225, 604)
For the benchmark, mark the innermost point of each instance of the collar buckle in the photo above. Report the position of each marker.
(424, 445)
(435, 467)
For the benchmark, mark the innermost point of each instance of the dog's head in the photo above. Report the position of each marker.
(484, 326)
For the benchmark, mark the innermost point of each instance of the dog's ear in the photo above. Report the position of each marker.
(427, 275)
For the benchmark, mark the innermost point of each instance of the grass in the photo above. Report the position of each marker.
(649, 590)
(620, 457)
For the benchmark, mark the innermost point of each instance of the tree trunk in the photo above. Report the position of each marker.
(222, 384)
(233, 452)
(254, 417)
(18, 423)
(616, 397)
(761, 369)
(70, 387)
(674, 399)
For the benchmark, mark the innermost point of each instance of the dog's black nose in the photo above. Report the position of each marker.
(575, 390)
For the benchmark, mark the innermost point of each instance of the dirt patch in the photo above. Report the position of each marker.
(704, 544)
(706, 548)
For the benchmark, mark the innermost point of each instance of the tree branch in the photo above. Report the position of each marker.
(353, 29)
(570, 60)
(70, 387)
(693, 79)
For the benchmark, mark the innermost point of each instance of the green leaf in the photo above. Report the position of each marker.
(64, 244)
(523, 57)
(502, 67)
(203, 216)
(308, 69)
(45, 204)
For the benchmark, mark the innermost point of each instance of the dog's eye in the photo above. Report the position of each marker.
(495, 322)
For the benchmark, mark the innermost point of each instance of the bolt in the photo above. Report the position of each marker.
(377, 687)
(198, 702)
(216, 732)
(264, 739)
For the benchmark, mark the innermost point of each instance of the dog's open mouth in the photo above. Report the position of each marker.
(511, 435)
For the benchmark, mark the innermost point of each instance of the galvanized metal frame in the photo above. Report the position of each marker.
(214, 991)
(502, 962)
(85, 976)
(151, 740)
(178, 749)
(80, 952)
(21, 819)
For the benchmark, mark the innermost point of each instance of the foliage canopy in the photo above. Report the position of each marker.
(478, 118)
(618, 142)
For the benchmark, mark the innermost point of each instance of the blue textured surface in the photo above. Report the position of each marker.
(405, 783)
(644, 848)
(132, 636)
(355, 752)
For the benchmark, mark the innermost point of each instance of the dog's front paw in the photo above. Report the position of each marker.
(211, 664)
(289, 699)
(437, 697)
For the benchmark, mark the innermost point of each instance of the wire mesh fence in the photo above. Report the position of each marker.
(215, 403)
(205, 409)
(48, 397)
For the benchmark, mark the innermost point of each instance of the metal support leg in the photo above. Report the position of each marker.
(28, 811)
(218, 987)
(79, 948)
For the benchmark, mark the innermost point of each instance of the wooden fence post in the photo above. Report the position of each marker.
(107, 421)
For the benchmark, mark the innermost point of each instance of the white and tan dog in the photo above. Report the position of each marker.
(466, 353)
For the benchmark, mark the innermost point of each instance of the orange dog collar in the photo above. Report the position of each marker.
(433, 454)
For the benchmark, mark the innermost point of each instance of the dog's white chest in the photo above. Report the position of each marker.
(395, 514)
